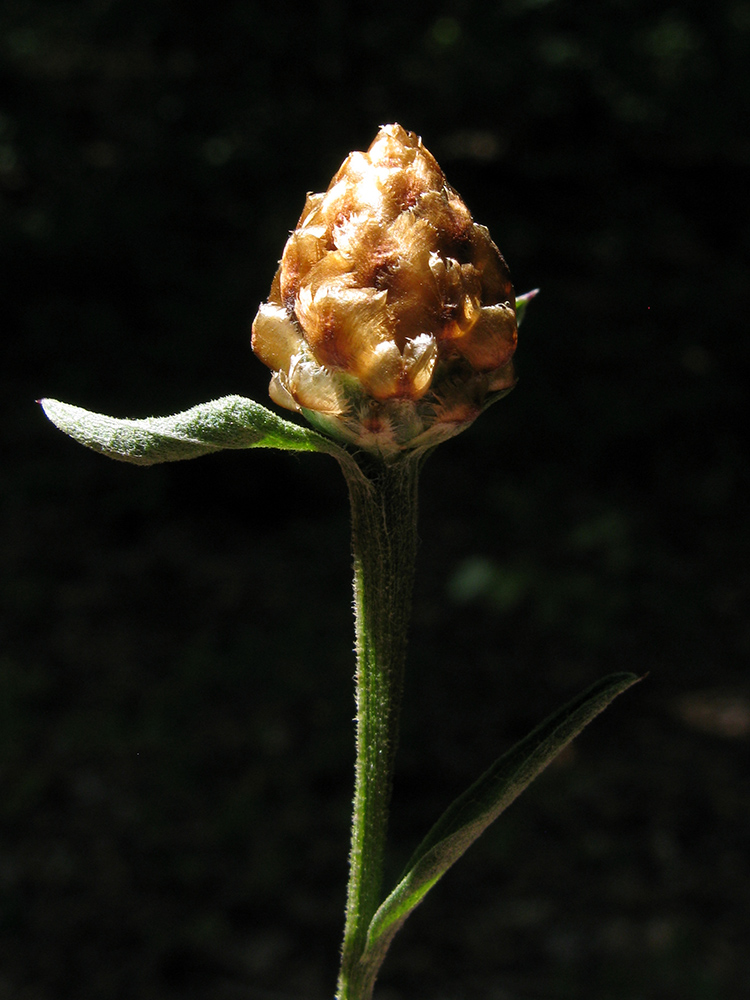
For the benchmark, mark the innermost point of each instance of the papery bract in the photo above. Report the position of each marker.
(391, 321)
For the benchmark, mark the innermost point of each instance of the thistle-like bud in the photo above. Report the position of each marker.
(391, 321)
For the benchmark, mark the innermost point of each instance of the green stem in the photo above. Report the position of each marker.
(384, 519)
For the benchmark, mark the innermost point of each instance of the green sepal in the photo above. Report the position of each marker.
(471, 813)
(229, 422)
(522, 302)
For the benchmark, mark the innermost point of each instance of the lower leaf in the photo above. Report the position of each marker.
(471, 813)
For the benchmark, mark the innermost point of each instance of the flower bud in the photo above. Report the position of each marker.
(391, 321)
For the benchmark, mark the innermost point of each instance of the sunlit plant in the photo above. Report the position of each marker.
(390, 326)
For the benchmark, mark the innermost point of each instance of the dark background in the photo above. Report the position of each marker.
(176, 698)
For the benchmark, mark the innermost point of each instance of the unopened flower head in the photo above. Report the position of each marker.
(391, 321)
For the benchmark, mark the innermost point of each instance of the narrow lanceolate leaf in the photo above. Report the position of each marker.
(483, 802)
(229, 422)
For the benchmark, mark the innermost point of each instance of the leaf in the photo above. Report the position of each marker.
(522, 302)
(472, 812)
(229, 422)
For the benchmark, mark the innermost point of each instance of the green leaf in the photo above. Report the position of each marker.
(522, 302)
(472, 812)
(229, 422)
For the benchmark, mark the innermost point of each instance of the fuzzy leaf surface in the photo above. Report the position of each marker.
(229, 422)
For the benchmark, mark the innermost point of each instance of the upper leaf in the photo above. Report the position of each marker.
(229, 422)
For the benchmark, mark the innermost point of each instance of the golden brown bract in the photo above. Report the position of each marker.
(391, 320)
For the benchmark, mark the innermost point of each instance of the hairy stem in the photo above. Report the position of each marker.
(384, 517)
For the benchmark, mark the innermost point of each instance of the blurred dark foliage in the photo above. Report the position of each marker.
(175, 683)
